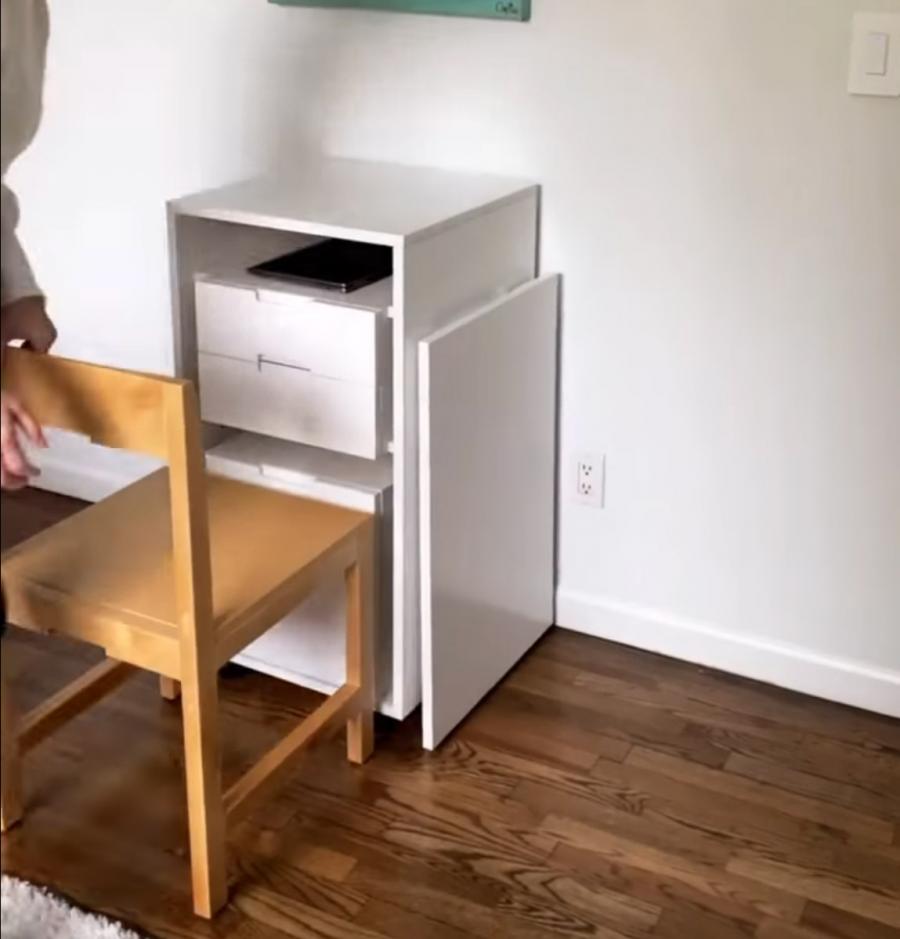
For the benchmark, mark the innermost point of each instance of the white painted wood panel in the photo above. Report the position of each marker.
(455, 270)
(336, 478)
(356, 199)
(487, 425)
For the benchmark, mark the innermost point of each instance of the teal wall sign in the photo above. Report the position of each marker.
(495, 9)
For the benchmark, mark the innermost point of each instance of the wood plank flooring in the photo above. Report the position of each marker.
(599, 792)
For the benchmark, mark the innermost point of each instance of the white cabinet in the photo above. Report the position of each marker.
(428, 398)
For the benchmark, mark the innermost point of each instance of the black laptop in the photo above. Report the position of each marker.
(334, 264)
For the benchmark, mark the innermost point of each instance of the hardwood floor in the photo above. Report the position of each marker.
(600, 792)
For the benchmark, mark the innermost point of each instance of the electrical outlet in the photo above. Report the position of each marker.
(590, 479)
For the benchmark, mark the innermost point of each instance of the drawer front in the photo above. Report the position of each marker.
(328, 339)
(285, 402)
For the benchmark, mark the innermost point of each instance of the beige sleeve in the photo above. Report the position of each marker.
(16, 277)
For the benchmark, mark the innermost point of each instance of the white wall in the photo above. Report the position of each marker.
(727, 219)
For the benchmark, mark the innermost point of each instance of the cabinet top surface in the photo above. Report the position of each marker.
(377, 202)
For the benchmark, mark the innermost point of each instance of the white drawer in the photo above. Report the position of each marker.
(273, 398)
(329, 339)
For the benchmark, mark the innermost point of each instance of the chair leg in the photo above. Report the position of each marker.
(11, 800)
(361, 737)
(169, 688)
(206, 811)
(360, 585)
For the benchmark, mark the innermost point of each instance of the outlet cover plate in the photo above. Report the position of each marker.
(597, 479)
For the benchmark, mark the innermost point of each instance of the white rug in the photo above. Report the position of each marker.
(32, 913)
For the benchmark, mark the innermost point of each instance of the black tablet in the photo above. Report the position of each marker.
(334, 264)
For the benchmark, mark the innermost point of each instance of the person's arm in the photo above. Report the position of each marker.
(23, 317)
(17, 280)
(23, 310)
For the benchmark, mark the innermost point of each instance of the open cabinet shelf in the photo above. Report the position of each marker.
(318, 474)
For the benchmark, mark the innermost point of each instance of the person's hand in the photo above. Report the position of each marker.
(26, 321)
(16, 425)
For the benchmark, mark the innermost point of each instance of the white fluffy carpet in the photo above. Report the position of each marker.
(32, 913)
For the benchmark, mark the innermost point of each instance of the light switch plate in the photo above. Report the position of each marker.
(875, 55)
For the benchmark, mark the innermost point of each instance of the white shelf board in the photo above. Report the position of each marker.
(380, 203)
(282, 461)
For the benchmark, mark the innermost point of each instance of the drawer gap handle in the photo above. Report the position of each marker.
(261, 360)
(286, 475)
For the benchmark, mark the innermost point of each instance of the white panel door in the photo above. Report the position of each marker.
(487, 413)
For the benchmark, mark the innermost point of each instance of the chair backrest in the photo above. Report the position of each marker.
(144, 413)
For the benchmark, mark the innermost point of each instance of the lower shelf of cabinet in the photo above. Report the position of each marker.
(307, 647)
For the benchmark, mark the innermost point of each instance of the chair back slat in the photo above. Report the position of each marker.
(144, 413)
(114, 408)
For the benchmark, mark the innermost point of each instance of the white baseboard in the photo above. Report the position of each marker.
(89, 473)
(801, 669)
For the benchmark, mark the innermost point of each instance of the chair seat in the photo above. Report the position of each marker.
(115, 557)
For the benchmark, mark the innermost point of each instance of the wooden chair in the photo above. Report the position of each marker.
(176, 575)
